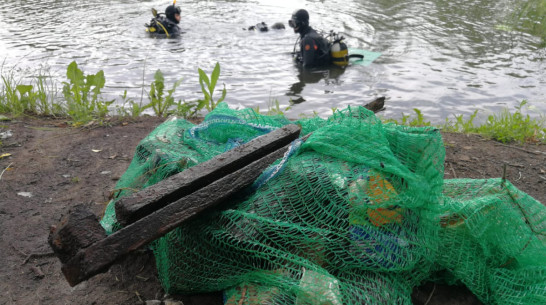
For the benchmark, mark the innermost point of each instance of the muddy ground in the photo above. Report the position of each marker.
(52, 167)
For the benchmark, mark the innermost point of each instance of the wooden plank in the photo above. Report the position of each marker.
(133, 207)
(376, 105)
(102, 254)
(78, 229)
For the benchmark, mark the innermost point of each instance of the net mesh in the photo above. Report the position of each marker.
(359, 213)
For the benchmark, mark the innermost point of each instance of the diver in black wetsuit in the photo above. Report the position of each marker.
(314, 49)
(167, 24)
(173, 19)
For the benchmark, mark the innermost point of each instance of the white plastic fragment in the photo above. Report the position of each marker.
(6, 134)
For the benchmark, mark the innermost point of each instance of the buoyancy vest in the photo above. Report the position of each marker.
(163, 25)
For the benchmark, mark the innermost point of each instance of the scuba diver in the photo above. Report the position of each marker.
(314, 49)
(168, 24)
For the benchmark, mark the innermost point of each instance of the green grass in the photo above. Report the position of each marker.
(81, 101)
(507, 126)
(17, 97)
(273, 108)
(408, 120)
(514, 127)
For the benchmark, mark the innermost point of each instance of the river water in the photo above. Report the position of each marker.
(442, 57)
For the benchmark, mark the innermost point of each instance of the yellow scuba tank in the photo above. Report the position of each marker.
(339, 51)
(152, 26)
(155, 24)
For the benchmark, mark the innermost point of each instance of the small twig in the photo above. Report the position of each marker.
(138, 296)
(431, 293)
(536, 152)
(242, 300)
(503, 174)
(35, 255)
(31, 255)
(20, 252)
(5, 169)
(38, 273)
(518, 177)
(121, 272)
(452, 170)
(524, 214)
(516, 165)
(542, 177)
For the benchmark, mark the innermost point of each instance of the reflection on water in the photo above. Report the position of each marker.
(443, 57)
(329, 75)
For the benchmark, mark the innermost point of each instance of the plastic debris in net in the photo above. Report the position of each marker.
(358, 213)
(273, 170)
(317, 288)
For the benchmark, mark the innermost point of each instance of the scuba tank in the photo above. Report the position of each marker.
(155, 25)
(339, 51)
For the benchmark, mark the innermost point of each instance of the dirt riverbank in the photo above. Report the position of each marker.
(52, 167)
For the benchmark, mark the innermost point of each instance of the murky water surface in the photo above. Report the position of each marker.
(443, 57)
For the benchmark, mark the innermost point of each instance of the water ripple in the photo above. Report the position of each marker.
(440, 56)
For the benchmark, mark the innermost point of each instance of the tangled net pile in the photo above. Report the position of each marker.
(359, 213)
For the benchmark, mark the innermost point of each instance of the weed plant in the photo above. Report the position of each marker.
(129, 108)
(82, 95)
(510, 127)
(160, 103)
(166, 105)
(504, 127)
(407, 119)
(273, 108)
(38, 97)
(207, 87)
(83, 102)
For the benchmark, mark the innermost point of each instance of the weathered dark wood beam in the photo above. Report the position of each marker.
(85, 253)
(135, 206)
(78, 229)
(376, 105)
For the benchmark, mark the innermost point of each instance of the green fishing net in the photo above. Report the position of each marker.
(358, 213)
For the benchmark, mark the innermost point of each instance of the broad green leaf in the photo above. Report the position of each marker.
(203, 77)
(158, 76)
(204, 90)
(201, 104)
(223, 95)
(214, 77)
(99, 81)
(23, 89)
(177, 83)
(74, 74)
(89, 81)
